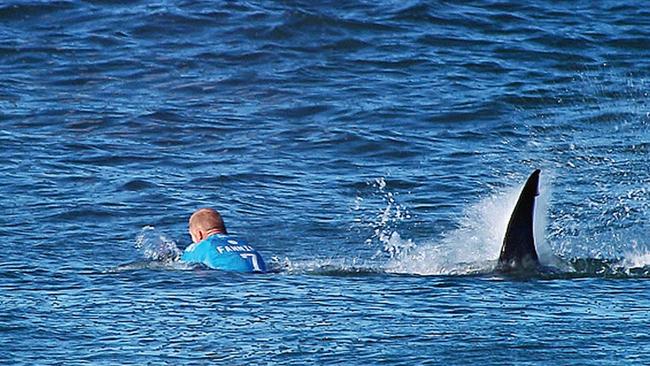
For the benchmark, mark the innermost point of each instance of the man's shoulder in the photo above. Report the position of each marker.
(222, 243)
(224, 239)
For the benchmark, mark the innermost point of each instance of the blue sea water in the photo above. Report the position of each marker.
(371, 151)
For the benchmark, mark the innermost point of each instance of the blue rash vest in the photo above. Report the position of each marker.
(224, 252)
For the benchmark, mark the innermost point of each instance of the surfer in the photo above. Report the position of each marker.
(213, 247)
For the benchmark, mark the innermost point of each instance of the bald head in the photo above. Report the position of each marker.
(205, 222)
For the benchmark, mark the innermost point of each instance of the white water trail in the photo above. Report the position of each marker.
(324, 266)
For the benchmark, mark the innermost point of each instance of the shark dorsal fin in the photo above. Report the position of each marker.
(518, 249)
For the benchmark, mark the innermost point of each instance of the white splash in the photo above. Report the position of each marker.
(155, 246)
(636, 260)
(637, 257)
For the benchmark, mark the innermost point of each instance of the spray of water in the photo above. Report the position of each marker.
(599, 145)
(156, 247)
(384, 224)
(637, 257)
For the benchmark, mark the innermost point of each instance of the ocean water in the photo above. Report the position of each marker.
(371, 151)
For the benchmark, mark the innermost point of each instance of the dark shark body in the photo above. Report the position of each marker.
(518, 250)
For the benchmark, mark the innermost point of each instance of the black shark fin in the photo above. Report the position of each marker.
(518, 249)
